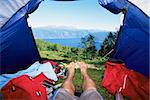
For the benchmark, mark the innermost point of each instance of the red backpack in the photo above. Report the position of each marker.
(117, 78)
(25, 88)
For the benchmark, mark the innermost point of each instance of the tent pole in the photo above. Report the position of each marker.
(109, 53)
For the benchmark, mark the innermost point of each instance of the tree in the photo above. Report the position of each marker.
(108, 43)
(55, 47)
(89, 48)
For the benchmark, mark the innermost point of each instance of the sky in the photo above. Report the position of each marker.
(82, 14)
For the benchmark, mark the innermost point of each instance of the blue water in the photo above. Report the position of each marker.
(73, 42)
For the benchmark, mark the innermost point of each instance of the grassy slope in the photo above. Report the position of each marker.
(95, 74)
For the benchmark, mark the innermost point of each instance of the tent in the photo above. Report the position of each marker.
(132, 45)
(17, 44)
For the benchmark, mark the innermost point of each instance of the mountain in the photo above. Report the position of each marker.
(68, 36)
(65, 33)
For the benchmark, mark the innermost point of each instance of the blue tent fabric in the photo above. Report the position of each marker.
(30, 7)
(113, 6)
(18, 50)
(17, 45)
(133, 42)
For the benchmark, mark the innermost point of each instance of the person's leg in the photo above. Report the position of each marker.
(68, 84)
(89, 87)
(68, 89)
(87, 81)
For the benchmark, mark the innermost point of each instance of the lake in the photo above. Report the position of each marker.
(72, 42)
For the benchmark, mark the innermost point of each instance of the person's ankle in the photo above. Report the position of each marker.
(83, 72)
(85, 76)
(70, 78)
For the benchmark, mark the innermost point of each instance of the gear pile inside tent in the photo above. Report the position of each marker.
(21, 66)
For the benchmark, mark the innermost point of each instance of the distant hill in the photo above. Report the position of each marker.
(63, 35)
(64, 32)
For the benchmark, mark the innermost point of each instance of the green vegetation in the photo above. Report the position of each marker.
(88, 54)
(67, 54)
(89, 48)
(108, 44)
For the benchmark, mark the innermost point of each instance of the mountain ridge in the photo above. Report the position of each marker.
(65, 32)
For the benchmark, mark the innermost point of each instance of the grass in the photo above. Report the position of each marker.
(96, 75)
(59, 56)
(46, 52)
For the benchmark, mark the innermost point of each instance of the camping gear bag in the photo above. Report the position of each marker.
(117, 78)
(56, 67)
(25, 88)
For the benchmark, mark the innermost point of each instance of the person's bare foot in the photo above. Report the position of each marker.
(87, 81)
(71, 70)
(83, 68)
(68, 83)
